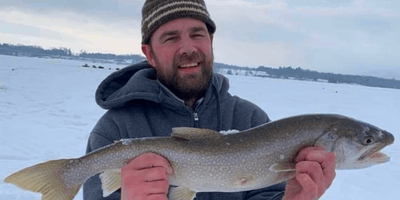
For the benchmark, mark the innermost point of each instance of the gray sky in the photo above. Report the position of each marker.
(341, 36)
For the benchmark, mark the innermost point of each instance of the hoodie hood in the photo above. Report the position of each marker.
(139, 82)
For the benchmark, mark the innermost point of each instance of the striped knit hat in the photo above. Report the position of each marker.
(155, 13)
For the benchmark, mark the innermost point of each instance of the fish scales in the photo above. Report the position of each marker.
(207, 161)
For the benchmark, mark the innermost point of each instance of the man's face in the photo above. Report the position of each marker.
(181, 52)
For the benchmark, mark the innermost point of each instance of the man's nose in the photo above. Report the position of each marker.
(187, 46)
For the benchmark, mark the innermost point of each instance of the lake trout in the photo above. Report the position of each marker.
(208, 161)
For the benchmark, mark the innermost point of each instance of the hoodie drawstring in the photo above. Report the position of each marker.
(219, 116)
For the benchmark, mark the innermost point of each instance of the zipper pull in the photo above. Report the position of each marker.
(196, 117)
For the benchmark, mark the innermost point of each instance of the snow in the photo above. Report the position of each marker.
(227, 132)
(47, 111)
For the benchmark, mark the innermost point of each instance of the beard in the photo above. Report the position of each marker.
(186, 86)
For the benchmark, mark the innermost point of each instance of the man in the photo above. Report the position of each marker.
(176, 87)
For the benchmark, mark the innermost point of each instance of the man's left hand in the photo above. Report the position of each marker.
(315, 171)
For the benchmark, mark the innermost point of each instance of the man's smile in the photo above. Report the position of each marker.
(189, 65)
(193, 67)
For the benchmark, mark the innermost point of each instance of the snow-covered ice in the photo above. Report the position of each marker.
(47, 111)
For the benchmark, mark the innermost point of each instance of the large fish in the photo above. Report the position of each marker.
(208, 161)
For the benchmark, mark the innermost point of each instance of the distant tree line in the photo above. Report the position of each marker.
(281, 72)
(109, 56)
(37, 51)
(305, 74)
(10, 49)
(302, 74)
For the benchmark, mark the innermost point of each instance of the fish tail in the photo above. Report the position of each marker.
(46, 178)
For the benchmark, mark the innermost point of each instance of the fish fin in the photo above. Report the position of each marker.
(283, 167)
(189, 133)
(181, 193)
(110, 181)
(46, 178)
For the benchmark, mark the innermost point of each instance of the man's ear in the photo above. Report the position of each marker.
(146, 49)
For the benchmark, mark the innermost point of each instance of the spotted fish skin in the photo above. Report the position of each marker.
(208, 161)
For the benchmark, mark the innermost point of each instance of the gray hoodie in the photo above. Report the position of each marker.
(139, 106)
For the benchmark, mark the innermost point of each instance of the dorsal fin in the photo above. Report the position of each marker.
(189, 133)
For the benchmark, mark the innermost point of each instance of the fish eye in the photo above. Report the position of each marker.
(368, 140)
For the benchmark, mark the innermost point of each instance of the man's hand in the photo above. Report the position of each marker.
(315, 171)
(145, 177)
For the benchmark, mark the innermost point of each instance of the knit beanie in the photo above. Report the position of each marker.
(155, 13)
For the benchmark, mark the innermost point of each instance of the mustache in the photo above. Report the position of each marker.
(187, 58)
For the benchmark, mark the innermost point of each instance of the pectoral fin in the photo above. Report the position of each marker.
(181, 193)
(283, 167)
(110, 181)
(188, 133)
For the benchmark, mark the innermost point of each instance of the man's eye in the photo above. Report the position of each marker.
(170, 39)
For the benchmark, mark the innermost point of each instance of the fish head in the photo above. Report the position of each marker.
(356, 144)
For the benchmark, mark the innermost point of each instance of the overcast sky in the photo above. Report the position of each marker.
(341, 36)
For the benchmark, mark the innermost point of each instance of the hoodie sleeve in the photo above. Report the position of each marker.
(92, 187)
(274, 192)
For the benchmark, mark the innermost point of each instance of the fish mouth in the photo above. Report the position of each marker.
(379, 157)
(375, 155)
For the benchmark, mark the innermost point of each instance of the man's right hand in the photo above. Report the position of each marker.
(145, 177)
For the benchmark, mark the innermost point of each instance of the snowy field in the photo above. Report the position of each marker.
(47, 111)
